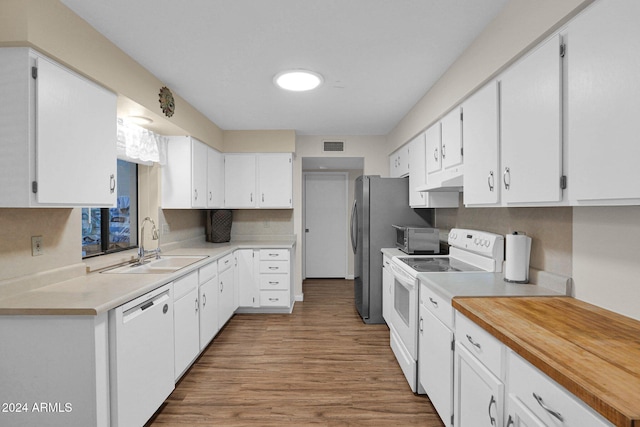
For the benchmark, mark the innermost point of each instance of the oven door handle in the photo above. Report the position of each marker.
(403, 278)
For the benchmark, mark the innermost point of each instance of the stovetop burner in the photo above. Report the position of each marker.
(439, 264)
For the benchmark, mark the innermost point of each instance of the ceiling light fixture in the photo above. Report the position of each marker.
(298, 80)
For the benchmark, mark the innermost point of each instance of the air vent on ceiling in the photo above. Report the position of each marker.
(333, 146)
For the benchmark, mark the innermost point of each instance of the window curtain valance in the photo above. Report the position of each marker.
(139, 145)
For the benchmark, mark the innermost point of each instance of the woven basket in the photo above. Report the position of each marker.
(219, 225)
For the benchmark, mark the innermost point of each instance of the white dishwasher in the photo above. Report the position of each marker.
(141, 356)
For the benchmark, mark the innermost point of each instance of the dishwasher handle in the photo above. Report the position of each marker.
(139, 309)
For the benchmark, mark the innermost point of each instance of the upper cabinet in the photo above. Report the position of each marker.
(399, 162)
(418, 178)
(531, 126)
(186, 176)
(603, 102)
(262, 180)
(481, 127)
(444, 153)
(215, 179)
(57, 135)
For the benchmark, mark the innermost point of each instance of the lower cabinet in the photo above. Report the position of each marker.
(248, 289)
(226, 296)
(387, 289)
(208, 297)
(186, 322)
(264, 279)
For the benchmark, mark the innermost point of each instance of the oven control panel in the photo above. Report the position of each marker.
(480, 242)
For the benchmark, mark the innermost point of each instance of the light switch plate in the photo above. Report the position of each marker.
(36, 246)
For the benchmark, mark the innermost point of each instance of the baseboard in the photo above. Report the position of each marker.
(349, 277)
(300, 297)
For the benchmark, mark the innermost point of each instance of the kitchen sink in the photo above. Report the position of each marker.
(166, 264)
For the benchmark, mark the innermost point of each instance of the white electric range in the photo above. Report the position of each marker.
(470, 251)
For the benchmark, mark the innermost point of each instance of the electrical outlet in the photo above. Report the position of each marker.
(36, 246)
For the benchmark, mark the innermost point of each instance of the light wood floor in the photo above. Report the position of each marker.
(320, 365)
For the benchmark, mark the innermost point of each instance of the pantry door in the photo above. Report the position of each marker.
(325, 224)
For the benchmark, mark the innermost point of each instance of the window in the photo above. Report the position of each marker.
(106, 230)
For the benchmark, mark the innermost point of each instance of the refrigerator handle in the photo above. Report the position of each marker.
(354, 227)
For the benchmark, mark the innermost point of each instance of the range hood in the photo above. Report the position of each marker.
(451, 179)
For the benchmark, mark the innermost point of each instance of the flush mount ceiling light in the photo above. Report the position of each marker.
(298, 80)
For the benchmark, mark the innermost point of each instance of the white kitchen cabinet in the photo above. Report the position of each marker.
(387, 289)
(184, 177)
(226, 297)
(57, 135)
(275, 277)
(478, 369)
(603, 100)
(435, 352)
(433, 142)
(452, 138)
(258, 180)
(186, 322)
(480, 129)
(215, 179)
(545, 399)
(444, 152)
(399, 162)
(275, 180)
(418, 178)
(208, 298)
(246, 278)
(531, 127)
(518, 415)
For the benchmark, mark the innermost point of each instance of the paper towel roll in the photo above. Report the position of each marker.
(518, 252)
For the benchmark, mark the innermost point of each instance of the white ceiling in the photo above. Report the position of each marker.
(378, 57)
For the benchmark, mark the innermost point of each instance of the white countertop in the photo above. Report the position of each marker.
(96, 292)
(456, 284)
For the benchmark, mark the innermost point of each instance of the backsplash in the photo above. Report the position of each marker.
(550, 229)
(261, 223)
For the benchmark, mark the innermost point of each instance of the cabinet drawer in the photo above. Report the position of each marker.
(274, 267)
(274, 254)
(488, 349)
(437, 305)
(274, 298)
(278, 282)
(184, 285)
(208, 272)
(225, 263)
(525, 379)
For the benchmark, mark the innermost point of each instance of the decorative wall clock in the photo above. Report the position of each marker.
(167, 104)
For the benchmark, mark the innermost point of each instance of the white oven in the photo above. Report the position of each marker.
(470, 251)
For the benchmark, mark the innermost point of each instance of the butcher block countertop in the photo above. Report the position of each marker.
(592, 352)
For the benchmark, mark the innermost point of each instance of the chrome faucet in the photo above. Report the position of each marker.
(154, 235)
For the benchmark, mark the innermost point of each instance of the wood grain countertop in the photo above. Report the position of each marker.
(592, 352)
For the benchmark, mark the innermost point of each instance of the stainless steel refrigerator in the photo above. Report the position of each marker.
(379, 203)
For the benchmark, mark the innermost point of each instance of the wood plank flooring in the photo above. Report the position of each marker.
(320, 366)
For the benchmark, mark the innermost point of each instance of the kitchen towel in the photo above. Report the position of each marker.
(518, 252)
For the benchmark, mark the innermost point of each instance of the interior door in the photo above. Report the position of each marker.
(325, 225)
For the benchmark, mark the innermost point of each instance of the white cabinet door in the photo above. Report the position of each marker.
(275, 172)
(199, 158)
(433, 137)
(215, 179)
(240, 181)
(603, 103)
(435, 363)
(417, 172)
(478, 394)
(531, 127)
(452, 138)
(519, 415)
(387, 289)
(186, 330)
(208, 297)
(226, 297)
(246, 279)
(480, 129)
(399, 162)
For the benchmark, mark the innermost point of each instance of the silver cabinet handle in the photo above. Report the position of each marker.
(210, 195)
(444, 154)
(491, 403)
(435, 154)
(274, 283)
(491, 181)
(274, 268)
(556, 414)
(274, 299)
(221, 287)
(473, 343)
(204, 300)
(196, 305)
(112, 183)
(273, 255)
(195, 193)
(421, 324)
(506, 174)
(510, 421)
(435, 303)
(251, 197)
(263, 197)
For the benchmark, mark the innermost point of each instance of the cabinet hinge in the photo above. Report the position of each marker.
(289, 160)
(34, 72)
(461, 116)
(34, 186)
(563, 50)
(563, 182)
